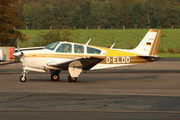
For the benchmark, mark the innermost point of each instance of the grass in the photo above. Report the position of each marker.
(128, 38)
(123, 38)
(169, 55)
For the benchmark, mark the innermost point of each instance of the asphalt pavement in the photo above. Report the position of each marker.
(148, 91)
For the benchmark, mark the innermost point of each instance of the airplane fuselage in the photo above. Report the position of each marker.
(40, 58)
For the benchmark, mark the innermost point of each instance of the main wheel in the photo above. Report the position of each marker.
(72, 79)
(22, 79)
(54, 77)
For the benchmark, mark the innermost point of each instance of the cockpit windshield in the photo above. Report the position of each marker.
(52, 46)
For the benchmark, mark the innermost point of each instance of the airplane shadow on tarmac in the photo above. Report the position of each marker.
(141, 77)
(92, 79)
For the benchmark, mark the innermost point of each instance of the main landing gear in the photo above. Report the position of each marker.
(55, 75)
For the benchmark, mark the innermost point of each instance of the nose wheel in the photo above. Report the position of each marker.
(72, 79)
(54, 77)
(23, 78)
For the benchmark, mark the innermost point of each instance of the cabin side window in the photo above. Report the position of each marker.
(93, 50)
(78, 48)
(64, 48)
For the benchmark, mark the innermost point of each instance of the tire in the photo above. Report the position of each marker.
(72, 79)
(22, 80)
(54, 77)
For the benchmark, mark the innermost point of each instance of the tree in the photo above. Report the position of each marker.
(38, 14)
(75, 18)
(124, 15)
(159, 12)
(58, 17)
(8, 15)
(96, 13)
(173, 15)
(85, 14)
(112, 16)
(122, 8)
(67, 11)
(27, 11)
(57, 35)
(137, 15)
(148, 10)
(47, 16)
(106, 15)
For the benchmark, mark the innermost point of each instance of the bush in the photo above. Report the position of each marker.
(170, 50)
(177, 50)
(162, 51)
(56, 35)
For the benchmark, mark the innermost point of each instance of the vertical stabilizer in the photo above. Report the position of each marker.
(149, 44)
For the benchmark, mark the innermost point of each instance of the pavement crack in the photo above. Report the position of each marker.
(102, 106)
(16, 98)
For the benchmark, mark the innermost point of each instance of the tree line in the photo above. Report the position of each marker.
(105, 13)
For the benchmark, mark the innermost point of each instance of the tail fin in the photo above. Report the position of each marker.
(149, 44)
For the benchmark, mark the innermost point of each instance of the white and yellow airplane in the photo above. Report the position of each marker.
(76, 57)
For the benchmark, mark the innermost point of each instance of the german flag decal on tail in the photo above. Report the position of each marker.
(148, 44)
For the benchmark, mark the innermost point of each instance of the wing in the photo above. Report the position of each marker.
(87, 63)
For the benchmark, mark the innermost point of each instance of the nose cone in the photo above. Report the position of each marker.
(17, 54)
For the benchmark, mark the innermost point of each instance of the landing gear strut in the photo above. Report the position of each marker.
(72, 79)
(23, 77)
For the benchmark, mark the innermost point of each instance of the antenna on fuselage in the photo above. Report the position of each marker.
(112, 46)
(88, 41)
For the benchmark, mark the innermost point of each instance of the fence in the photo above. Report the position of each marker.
(99, 27)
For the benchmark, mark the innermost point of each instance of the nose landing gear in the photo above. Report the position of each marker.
(23, 77)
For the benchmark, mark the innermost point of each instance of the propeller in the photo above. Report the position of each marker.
(19, 53)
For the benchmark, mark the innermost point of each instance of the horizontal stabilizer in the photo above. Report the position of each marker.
(150, 58)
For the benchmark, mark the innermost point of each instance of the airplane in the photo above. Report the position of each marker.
(76, 57)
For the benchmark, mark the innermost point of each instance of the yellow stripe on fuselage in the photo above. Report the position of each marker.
(112, 52)
(60, 55)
